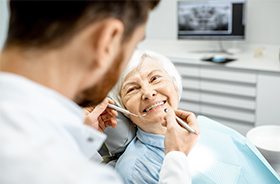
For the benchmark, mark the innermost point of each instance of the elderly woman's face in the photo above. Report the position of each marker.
(149, 89)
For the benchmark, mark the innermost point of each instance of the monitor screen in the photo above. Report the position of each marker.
(212, 20)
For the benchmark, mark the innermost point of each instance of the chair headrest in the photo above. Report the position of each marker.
(118, 138)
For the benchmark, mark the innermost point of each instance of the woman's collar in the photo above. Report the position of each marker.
(150, 138)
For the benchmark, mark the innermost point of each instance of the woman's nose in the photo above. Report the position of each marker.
(148, 93)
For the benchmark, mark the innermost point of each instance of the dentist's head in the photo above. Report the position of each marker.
(78, 48)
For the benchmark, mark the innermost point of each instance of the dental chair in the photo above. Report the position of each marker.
(117, 140)
(222, 155)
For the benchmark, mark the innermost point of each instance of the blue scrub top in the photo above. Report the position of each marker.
(222, 155)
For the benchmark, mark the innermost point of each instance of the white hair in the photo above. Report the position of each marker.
(136, 59)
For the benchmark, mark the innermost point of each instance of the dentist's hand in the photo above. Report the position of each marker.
(101, 116)
(178, 138)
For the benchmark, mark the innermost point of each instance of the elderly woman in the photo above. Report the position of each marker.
(150, 84)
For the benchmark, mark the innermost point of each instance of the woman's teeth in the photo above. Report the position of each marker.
(153, 106)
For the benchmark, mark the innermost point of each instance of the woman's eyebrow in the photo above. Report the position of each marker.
(128, 84)
(154, 71)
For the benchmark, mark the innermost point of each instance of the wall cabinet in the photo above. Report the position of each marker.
(268, 98)
(238, 98)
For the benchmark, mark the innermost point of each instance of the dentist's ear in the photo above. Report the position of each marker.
(95, 48)
(107, 41)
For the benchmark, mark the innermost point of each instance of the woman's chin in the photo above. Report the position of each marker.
(156, 116)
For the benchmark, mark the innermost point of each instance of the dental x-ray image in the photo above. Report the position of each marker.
(205, 17)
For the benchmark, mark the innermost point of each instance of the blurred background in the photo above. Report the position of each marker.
(243, 93)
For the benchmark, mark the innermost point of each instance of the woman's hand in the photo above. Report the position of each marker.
(101, 116)
(178, 138)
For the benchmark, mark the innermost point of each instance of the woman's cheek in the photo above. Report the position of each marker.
(173, 99)
(130, 105)
(125, 102)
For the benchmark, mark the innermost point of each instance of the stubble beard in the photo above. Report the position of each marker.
(97, 93)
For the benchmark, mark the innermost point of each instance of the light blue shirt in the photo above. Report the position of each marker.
(43, 137)
(143, 158)
(221, 156)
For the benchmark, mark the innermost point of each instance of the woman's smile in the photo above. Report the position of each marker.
(154, 106)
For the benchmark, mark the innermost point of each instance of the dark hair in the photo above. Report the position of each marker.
(36, 23)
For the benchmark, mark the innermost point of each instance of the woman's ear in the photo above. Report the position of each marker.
(106, 41)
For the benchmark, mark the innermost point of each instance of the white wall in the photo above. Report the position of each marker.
(263, 21)
(3, 21)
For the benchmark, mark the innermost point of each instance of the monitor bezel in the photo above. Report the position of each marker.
(212, 37)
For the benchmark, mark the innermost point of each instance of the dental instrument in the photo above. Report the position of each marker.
(184, 124)
(124, 111)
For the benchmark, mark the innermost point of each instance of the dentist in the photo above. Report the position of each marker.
(60, 56)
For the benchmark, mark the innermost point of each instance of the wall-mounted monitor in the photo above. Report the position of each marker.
(211, 20)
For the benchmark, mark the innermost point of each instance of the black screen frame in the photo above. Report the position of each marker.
(215, 36)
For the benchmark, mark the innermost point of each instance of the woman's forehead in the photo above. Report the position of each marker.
(147, 66)
(148, 63)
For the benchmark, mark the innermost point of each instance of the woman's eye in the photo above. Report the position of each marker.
(154, 78)
(131, 89)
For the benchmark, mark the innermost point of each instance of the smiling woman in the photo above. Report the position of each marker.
(150, 83)
(148, 89)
